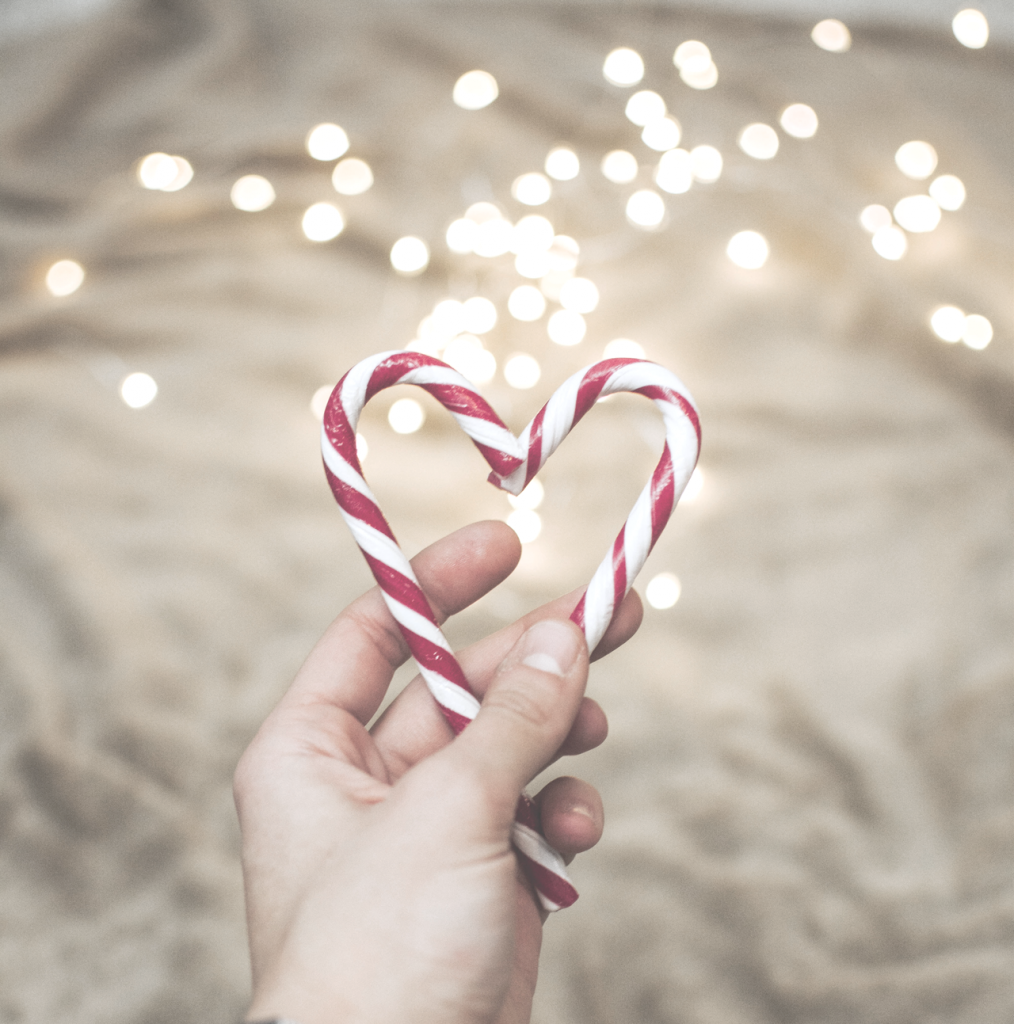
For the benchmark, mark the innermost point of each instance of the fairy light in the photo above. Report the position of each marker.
(890, 242)
(799, 121)
(475, 90)
(662, 134)
(644, 107)
(252, 193)
(623, 348)
(978, 332)
(563, 254)
(663, 591)
(700, 76)
(461, 236)
(532, 189)
(522, 371)
(532, 234)
(406, 416)
(971, 28)
(917, 214)
(526, 523)
(322, 222)
(831, 35)
(567, 328)
(479, 315)
(526, 303)
(675, 172)
(64, 278)
(327, 142)
(759, 141)
(619, 167)
(410, 255)
(696, 68)
(562, 163)
(318, 402)
(623, 67)
(533, 265)
(875, 217)
(916, 160)
(948, 323)
(494, 237)
(689, 51)
(646, 209)
(694, 486)
(362, 447)
(468, 356)
(138, 390)
(446, 320)
(748, 249)
(352, 176)
(707, 164)
(551, 284)
(482, 212)
(948, 191)
(164, 173)
(579, 295)
(530, 498)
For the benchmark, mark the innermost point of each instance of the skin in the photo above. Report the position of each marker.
(380, 880)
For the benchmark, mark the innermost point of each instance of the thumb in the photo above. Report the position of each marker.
(527, 711)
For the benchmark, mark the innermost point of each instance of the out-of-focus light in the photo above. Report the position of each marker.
(327, 142)
(184, 175)
(156, 171)
(566, 327)
(663, 590)
(978, 332)
(322, 222)
(690, 50)
(623, 67)
(551, 284)
(890, 242)
(875, 217)
(532, 234)
(675, 172)
(661, 134)
(494, 237)
(533, 265)
(699, 74)
(623, 348)
(799, 121)
(318, 403)
(948, 323)
(138, 390)
(971, 28)
(580, 295)
(707, 164)
(526, 523)
(916, 160)
(562, 164)
(362, 448)
(352, 176)
(446, 320)
(619, 166)
(831, 35)
(467, 355)
(406, 416)
(694, 486)
(748, 249)
(917, 213)
(461, 235)
(532, 189)
(759, 141)
(646, 209)
(526, 302)
(644, 107)
(64, 278)
(252, 193)
(564, 253)
(475, 90)
(482, 212)
(522, 371)
(530, 498)
(948, 191)
(479, 315)
(410, 255)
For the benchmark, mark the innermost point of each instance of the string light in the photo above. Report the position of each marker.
(661, 134)
(646, 209)
(475, 90)
(644, 107)
(318, 402)
(494, 237)
(948, 323)
(526, 523)
(533, 265)
(252, 193)
(623, 67)
(978, 332)
(522, 371)
(532, 189)
(322, 222)
(623, 348)
(563, 253)
(759, 141)
(406, 416)
(530, 498)
(467, 355)
(64, 278)
(675, 172)
(327, 142)
(138, 390)
(875, 217)
(916, 160)
(694, 486)
(526, 303)
(580, 295)
(362, 447)
(461, 236)
(164, 173)
(917, 213)
(971, 28)
(748, 249)
(352, 176)
(696, 67)
(663, 591)
(890, 242)
(707, 164)
(831, 35)
(566, 328)
(619, 167)
(532, 234)
(410, 255)
(948, 191)
(799, 121)
(446, 320)
(551, 284)
(689, 51)
(562, 164)
(479, 315)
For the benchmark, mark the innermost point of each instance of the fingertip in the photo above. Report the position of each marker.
(572, 815)
(590, 729)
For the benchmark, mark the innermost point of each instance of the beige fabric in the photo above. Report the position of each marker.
(808, 779)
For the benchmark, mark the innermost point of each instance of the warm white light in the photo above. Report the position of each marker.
(890, 242)
(759, 141)
(482, 212)
(675, 171)
(917, 213)
(252, 193)
(551, 284)
(971, 28)
(644, 107)
(64, 278)
(978, 332)
(494, 237)
(475, 363)
(526, 523)
(580, 295)
(799, 121)
(663, 590)
(875, 217)
(563, 254)
(446, 320)
(530, 498)
(322, 222)
(562, 164)
(566, 327)
(327, 142)
(318, 403)
(184, 175)
(532, 234)
(526, 302)
(707, 164)
(661, 134)
(522, 371)
(475, 90)
(479, 315)
(623, 348)
(694, 486)
(138, 390)
(461, 235)
(699, 73)
(646, 209)
(362, 448)
(406, 416)
(532, 189)
(352, 176)
(948, 323)
(532, 265)
(948, 191)
(748, 249)
(156, 171)
(619, 166)
(410, 255)
(831, 35)
(623, 67)
(916, 160)
(690, 50)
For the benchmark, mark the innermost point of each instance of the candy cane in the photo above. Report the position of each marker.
(514, 462)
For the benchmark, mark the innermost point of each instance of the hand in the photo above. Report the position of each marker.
(381, 885)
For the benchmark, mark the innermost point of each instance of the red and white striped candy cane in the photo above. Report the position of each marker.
(514, 462)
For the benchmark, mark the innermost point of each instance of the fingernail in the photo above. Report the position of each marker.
(581, 809)
(550, 646)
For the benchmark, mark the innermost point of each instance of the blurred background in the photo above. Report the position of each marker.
(803, 209)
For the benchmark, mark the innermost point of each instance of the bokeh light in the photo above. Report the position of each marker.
(875, 217)
(694, 486)
(948, 323)
(916, 160)
(675, 172)
(533, 265)
(580, 295)
(327, 142)
(526, 523)
(318, 401)
(532, 189)
(522, 371)
(748, 249)
(64, 278)
(532, 234)
(322, 222)
(530, 498)
(352, 176)
(475, 90)
(799, 121)
(890, 242)
(661, 134)
(696, 68)
(566, 328)
(562, 163)
(410, 255)
(138, 390)
(406, 416)
(563, 253)
(700, 76)
(623, 348)
(462, 235)
(646, 209)
(623, 67)
(759, 141)
(663, 590)
(644, 107)
(467, 355)
(707, 164)
(362, 447)
(494, 237)
(971, 28)
(978, 332)
(479, 315)
(164, 173)
(948, 191)
(917, 213)
(526, 303)
(831, 35)
(619, 166)
(690, 50)
(252, 193)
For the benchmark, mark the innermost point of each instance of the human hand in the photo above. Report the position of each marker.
(381, 884)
